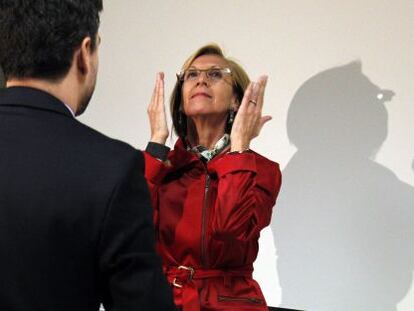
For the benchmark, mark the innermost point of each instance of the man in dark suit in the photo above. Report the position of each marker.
(75, 217)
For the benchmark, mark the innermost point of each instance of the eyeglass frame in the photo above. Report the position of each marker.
(225, 70)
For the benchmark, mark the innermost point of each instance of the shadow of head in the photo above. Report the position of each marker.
(339, 110)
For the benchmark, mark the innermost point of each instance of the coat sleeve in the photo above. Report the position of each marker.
(155, 171)
(130, 270)
(248, 185)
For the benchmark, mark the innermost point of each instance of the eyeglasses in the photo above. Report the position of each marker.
(212, 74)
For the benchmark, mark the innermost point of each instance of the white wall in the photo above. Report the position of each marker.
(343, 226)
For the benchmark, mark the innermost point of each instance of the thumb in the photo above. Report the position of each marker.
(262, 122)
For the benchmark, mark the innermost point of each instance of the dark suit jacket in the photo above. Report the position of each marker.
(2, 82)
(75, 217)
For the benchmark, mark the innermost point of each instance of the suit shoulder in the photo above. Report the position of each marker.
(99, 139)
(103, 150)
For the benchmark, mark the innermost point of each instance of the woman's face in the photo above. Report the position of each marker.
(208, 97)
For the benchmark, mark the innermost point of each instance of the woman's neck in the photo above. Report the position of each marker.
(205, 131)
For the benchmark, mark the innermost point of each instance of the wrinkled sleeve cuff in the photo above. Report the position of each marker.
(236, 162)
(158, 151)
(155, 169)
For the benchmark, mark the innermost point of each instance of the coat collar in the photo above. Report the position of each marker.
(180, 157)
(32, 98)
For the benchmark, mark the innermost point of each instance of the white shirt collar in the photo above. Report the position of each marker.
(70, 109)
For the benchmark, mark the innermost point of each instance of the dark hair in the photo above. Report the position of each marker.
(240, 82)
(38, 37)
(1, 78)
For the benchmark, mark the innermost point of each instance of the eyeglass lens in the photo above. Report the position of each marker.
(212, 74)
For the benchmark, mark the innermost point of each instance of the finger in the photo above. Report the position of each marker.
(263, 79)
(256, 90)
(161, 96)
(254, 97)
(157, 94)
(263, 83)
(246, 97)
(154, 92)
(251, 101)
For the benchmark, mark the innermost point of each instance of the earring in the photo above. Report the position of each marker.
(180, 117)
(231, 116)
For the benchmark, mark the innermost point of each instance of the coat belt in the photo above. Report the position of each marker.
(183, 277)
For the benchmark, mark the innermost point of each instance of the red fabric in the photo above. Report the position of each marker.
(209, 218)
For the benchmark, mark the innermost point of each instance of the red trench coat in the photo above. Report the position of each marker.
(208, 220)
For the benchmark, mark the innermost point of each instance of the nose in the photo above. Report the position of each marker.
(202, 78)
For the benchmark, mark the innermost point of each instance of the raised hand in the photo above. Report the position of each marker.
(156, 112)
(249, 120)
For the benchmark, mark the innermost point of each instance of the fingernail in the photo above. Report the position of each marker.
(263, 79)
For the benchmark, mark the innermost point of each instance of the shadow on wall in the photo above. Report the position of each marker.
(343, 224)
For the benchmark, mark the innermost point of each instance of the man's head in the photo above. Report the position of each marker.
(46, 40)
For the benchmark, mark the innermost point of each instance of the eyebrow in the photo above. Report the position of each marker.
(212, 67)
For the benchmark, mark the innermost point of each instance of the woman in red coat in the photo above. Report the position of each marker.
(211, 195)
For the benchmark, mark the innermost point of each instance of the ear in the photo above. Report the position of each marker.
(234, 103)
(83, 56)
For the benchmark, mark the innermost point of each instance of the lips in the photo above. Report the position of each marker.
(201, 94)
